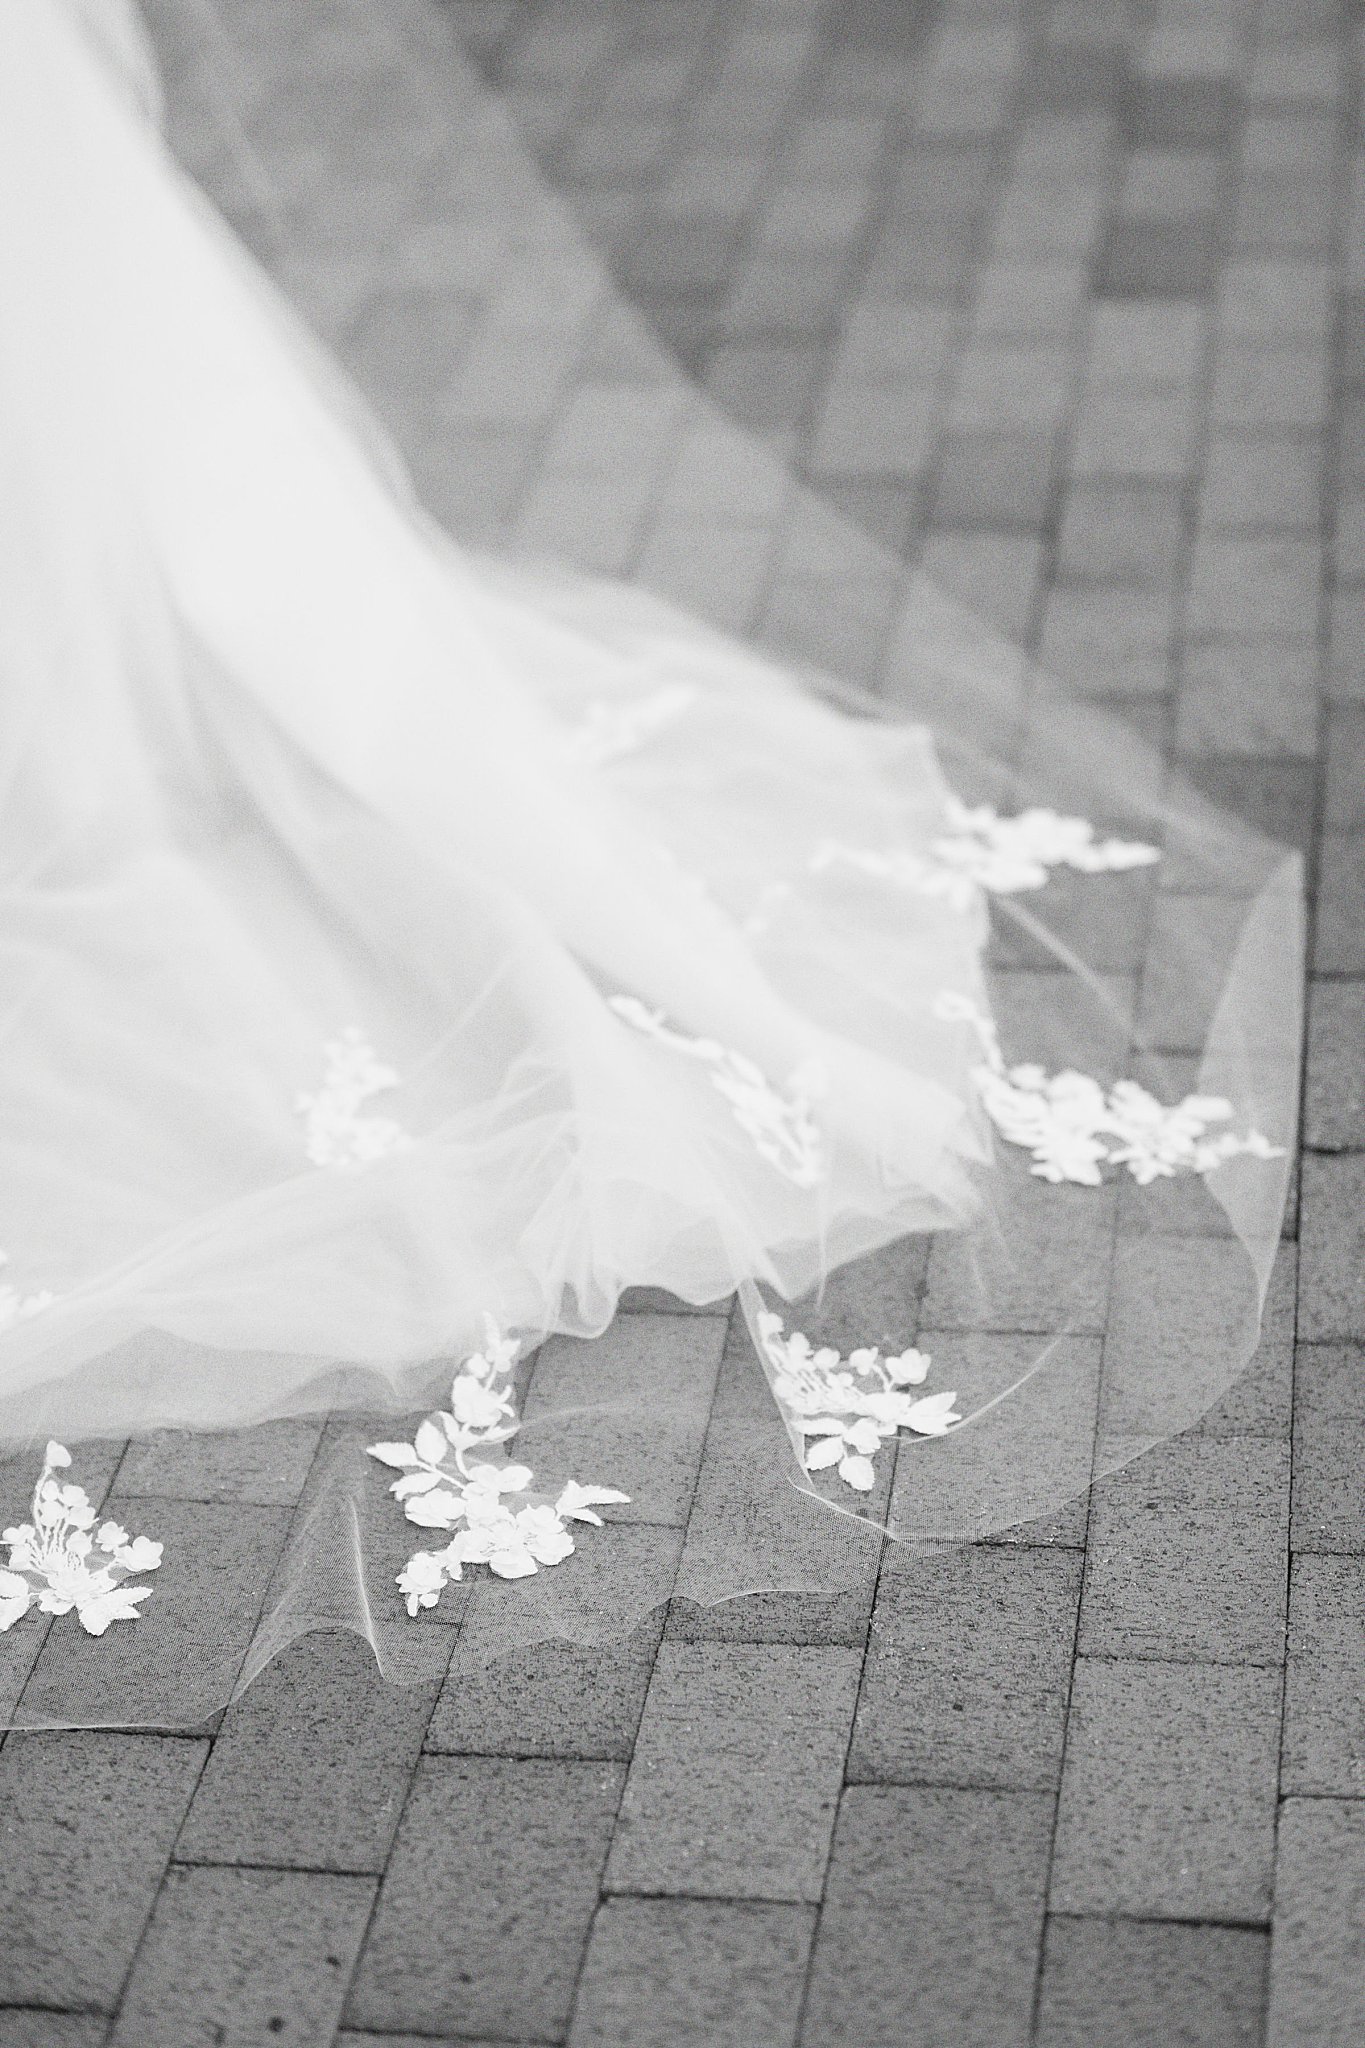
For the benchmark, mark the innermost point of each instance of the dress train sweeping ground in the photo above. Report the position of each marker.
(402, 956)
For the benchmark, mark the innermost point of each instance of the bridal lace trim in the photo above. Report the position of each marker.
(64, 1558)
(335, 1133)
(983, 851)
(779, 1122)
(608, 732)
(849, 1405)
(1073, 1126)
(442, 1484)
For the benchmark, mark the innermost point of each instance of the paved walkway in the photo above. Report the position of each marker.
(1067, 300)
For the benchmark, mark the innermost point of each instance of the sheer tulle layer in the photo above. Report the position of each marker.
(328, 855)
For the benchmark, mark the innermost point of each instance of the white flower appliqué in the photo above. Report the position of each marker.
(497, 1518)
(848, 1405)
(610, 731)
(64, 1557)
(16, 1307)
(780, 1124)
(335, 1133)
(983, 851)
(1073, 1126)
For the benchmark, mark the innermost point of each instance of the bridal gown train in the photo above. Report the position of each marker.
(404, 954)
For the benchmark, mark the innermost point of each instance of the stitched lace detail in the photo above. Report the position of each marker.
(335, 1133)
(847, 1406)
(16, 1307)
(64, 1558)
(983, 851)
(1073, 1127)
(778, 1121)
(610, 731)
(497, 1517)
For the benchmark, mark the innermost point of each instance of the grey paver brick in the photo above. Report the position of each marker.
(33, 2028)
(182, 1660)
(693, 1973)
(1274, 480)
(1134, 433)
(1334, 1106)
(1254, 584)
(656, 1462)
(1255, 696)
(1170, 184)
(245, 1954)
(1145, 258)
(1168, 1792)
(310, 1767)
(994, 480)
(1259, 389)
(495, 1860)
(931, 1920)
(736, 1771)
(1118, 534)
(350, 2038)
(1260, 1401)
(967, 1671)
(267, 1464)
(1324, 1714)
(560, 1698)
(749, 1522)
(1339, 937)
(1139, 1984)
(1145, 346)
(1328, 1510)
(1021, 1472)
(1317, 1957)
(1054, 1273)
(87, 1823)
(1167, 112)
(1332, 1248)
(1346, 640)
(1187, 1554)
(1108, 640)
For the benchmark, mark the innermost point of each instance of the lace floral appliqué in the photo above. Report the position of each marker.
(1073, 1126)
(779, 1123)
(16, 1307)
(847, 1406)
(335, 1133)
(64, 1557)
(496, 1516)
(983, 851)
(610, 731)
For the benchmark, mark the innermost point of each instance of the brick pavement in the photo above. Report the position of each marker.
(1067, 297)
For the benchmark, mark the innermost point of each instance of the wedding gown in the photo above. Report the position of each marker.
(405, 954)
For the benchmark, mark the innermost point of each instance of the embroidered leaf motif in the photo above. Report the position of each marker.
(335, 1132)
(60, 1560)
(849, 1405)
(1073, 1127)
(442, 1486)
(983, 851)
(779, 1123)
(610, 731)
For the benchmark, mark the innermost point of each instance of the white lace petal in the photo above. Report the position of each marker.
(779, 1123)
(985, 852)
(336, 1134)
(848, 1405)
(441, 1484)
(55, 1560)
(1073, 1127)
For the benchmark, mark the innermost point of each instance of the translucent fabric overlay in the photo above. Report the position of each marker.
(398, 933)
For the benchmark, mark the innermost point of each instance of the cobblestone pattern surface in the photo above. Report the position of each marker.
(1067, 298)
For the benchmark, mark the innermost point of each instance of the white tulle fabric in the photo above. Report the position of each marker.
(391, 940)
